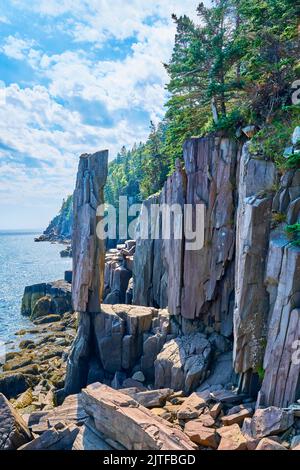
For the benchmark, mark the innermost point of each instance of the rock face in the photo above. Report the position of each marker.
(208, 278)
(46, 298)
(183, 362)
(115, 340)
(122, 419)
(88, 249)
(149, 273)
(88, 262)
(253, 225)
(118, 273)
(196, 284)
(281, 361)
(13, 430)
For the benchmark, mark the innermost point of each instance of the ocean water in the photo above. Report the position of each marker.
(24, 262)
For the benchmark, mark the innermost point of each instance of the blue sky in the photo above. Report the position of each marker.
(76, 76)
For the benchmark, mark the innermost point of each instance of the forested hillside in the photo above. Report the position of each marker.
(234, 67)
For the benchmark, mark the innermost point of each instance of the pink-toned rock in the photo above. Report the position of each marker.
(269, 444)
(122, 419)
(232, 438)
(206, 420)
(215, 410)
(201, 434)
(237, 418)
(268, 421)
(192, 407)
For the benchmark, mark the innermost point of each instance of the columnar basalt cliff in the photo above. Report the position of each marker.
(244, 283)
(232, 302)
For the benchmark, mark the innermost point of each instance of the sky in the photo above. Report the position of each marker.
(76, 76)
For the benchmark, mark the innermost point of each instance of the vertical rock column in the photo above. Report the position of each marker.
(208, 277)
(88, 262)
(173, 198)
(281, 384)
(257, 178)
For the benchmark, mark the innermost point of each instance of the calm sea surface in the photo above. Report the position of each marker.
(24, 262)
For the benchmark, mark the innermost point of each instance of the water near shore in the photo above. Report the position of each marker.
(24, 262)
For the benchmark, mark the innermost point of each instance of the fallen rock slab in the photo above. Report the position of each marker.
(268, 421)
(232, 438)
(237, 418)
(13, 430)
(269, 444)
(70, 412)
(122, 419)
(201, 434)
(192, 407)
(149, 398)
(89, 438)
(59, 437)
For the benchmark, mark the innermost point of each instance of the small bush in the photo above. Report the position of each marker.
(293, 162)
(293, 232)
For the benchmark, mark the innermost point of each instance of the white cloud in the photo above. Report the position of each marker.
(45, 136)
(4, 20)
(17, 48)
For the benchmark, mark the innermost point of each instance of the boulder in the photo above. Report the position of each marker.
(13, 430)
(56, 299)
(232, 438)
(221, 373)
(269, 444)
(192, 407)
(236, 417)
(202, 435)
(12, 384)
(123, 420)
(215, 410)
(268, 421)
(183, 362)
(139, 376)
(60, 437)
(149, 398)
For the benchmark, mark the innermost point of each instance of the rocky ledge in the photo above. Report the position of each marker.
(102, 418)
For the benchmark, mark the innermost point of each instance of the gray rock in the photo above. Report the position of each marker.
(60, 437)
(51, 298)
(13, 383)
(89, 438)
(88, 248)
(119, 418)
(13, 430)
(221, 372)
(253, 226)
(269, 421)
(182, 363)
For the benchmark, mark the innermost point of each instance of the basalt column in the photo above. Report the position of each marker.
(88, 262)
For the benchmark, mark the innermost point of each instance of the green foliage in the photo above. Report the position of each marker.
(67, 208)
(293, 232)
(272, 139)
(232, 67)
(293, 162)
(261, 373)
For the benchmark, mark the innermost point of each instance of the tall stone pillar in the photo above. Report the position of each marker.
(88, 262)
